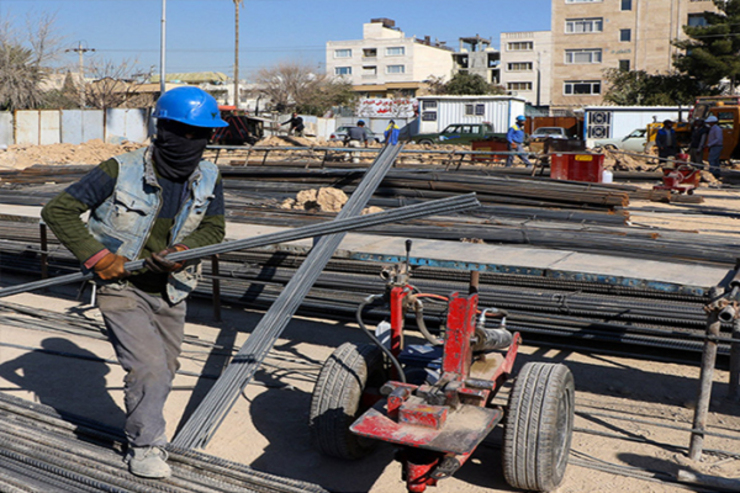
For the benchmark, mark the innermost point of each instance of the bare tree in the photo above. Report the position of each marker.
(115, 85)
(24, 62)
(294, 86)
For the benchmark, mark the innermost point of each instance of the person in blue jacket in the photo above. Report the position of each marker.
(391, 133)
(665, 140)
(515, 142)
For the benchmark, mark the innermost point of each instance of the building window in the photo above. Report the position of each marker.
(585, 25)
(369, 52)
(696, 20)
(369, 71)
(520, 46)
(625, 35)
(342, 70)
(347, 53)
(624, 65)
(395, 51)
(469, 109)
(626, 5)
(428, 105)
(395, 69)
(583, 56)
(480, 110)
(429, 116)
(582, 87)
(519, 67)
(519, 86)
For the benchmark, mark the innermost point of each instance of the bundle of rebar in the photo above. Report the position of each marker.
(41, 450)
(208, 416)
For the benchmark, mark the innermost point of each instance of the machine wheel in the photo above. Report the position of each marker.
(337, 399)
(539, 427)
(426, 142)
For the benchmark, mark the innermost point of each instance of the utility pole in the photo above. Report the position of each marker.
(81, 51)
(162, 32)
(237, 3)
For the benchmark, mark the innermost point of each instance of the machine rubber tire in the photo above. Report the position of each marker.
(611, 147)
(337, 399)
(426, 142)
(539, 427)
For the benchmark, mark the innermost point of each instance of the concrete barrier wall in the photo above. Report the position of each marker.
(41, 127)
(6, 129)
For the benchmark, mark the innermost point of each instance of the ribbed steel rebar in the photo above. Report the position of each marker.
(211, 412)
(342, 224)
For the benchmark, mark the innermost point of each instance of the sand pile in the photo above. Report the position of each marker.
(285, 141)
(325, 199)
(620, 161)
(20, 156)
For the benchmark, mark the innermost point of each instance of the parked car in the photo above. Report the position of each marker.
(458, 133)
(549, 132)
(633, 142)
(341, 133)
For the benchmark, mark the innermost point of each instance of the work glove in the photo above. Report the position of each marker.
(110, 267)
(159, 263)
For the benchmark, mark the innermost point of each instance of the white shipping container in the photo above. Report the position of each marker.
(437, 112)
(608, 122)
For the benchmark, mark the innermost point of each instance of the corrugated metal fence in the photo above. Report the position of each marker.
(40, 127)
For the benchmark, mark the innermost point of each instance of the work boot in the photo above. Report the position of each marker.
(148, 462)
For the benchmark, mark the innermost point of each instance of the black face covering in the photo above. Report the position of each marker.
(175, 154)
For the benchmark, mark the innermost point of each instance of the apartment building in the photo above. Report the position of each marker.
(477, 56)
(589, 36)
(385, 63)
(525, 65)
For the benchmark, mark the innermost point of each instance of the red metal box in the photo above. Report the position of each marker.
(577, 167)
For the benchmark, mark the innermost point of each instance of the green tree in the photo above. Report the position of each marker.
(712, 51)
(465, 83)
(23, 63)
(637, 87)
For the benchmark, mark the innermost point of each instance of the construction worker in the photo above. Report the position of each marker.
(665, 140)
(391, 133)
(354, 138)
(147, 204)
(714, 143)
(296, 125)
(515, 143)
(698, 138)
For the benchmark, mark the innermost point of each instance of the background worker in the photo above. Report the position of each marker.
(665, 141)
(296, 125)
(391, 133)
(147, 204)
(714, 143)
(515, 142)
(355, 137)
(698, 138)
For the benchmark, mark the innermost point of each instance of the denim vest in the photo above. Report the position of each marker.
(124, 221)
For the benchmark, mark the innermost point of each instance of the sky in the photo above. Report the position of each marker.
(200, 33)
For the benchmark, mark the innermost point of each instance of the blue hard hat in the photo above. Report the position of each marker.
(360, 122)
(189, 105)
(521, 118)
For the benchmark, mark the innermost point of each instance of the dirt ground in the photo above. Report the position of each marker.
(633, 417)
(631, 414)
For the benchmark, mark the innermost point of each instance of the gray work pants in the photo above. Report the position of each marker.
(147, 333)
(519, 150)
